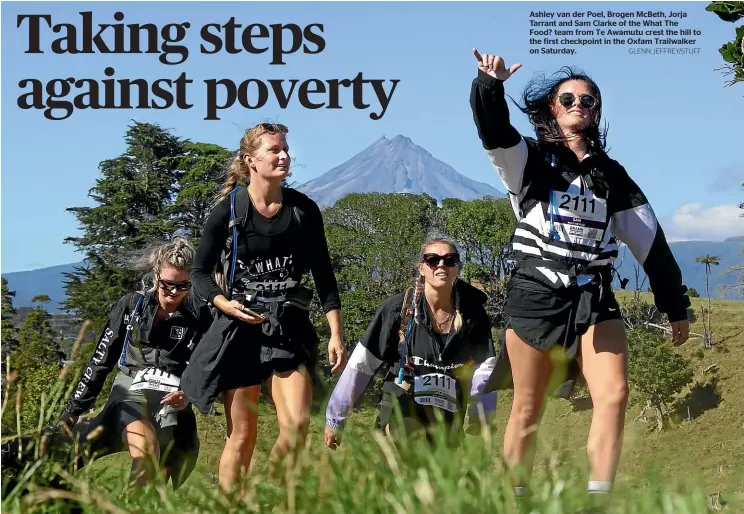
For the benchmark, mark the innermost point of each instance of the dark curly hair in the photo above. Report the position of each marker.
(540, 94)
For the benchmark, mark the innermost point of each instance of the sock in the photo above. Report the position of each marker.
(597, 487)
(521, 491)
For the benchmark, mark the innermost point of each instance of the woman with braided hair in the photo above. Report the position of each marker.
(263, 239)
(436, 341)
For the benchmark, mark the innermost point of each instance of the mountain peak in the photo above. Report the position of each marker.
(400, 139)
(393, 166)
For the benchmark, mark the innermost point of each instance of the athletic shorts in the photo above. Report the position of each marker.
(545, 318)
(178, 441)
(234, 354)
(144, 405)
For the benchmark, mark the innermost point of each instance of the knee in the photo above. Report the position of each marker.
(146, 449)
(298, 426)
(526, 411)
(243, 434)
(142, 441)
(613, 395)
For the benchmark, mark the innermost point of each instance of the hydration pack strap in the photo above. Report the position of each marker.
(233, 225)
(130, 327)
(404, 332)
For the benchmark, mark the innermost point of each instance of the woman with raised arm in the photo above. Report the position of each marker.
(263, 238)
(437, 344)
(572, 202)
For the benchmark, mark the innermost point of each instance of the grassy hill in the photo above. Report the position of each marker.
(674, 471)
(730, 252)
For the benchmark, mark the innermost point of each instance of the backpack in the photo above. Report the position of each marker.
(242, 204)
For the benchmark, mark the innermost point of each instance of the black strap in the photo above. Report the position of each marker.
(136, 312)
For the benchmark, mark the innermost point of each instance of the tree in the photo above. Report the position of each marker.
(692, 293)
(41, 299)
(36, 337)
(132, 197)
(655, 371)
(708, 261)
(374, 240)
(203, 165)
(733, 51)
(9, 332)
(37, 360)
(482, 230)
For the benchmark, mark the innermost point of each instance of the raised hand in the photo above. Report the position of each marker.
(494, 65)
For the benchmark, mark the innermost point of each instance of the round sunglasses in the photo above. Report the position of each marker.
(568, 99)
(433, 259)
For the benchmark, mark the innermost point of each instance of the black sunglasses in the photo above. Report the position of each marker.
(568, 99)
(433, 259)
(170, 287)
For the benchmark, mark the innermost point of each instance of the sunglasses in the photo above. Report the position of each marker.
(568, 99)
(170, 287)
(433, 259)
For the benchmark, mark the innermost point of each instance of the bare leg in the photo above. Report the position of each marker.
(292, 393)
(241, 410)
(531, 371)
(144, 449)
(604, 350)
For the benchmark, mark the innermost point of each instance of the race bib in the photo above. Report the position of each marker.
(436, 390)
(155, 380)
(579, 216)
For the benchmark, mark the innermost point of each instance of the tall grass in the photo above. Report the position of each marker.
(366, 474)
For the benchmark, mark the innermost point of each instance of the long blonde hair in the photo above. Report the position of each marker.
(238, 171)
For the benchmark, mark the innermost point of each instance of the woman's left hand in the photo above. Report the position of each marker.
(336, 353)
(176, 399)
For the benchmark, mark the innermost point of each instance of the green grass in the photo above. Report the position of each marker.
(672, 471)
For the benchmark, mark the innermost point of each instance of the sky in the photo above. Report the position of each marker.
(672, 122)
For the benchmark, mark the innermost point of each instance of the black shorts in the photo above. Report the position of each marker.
(252, 357)
(234, 354)
(544, 317)
(125, 412)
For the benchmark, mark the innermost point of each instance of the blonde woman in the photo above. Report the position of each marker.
(149, 337)
(262, 239)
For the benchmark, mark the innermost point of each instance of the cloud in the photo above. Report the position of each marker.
(694, 222)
